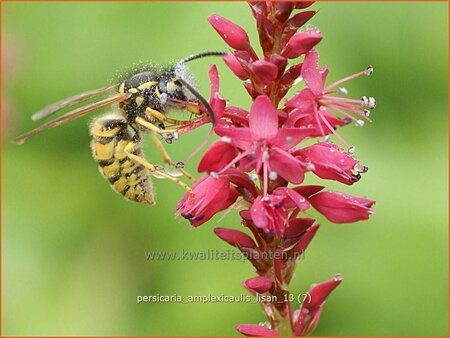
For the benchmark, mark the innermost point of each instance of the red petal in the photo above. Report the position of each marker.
(263, 119)
(319, 293)
(213, 79)
(241, 179)
(308, 190)
(240, 137)
(258, 214)
(306, 239)
(311, 74)
(296, 228)
(301, 43)
(259, 284)
(342, 208)
(295, 198)
(235, 67)
(235, 238)
(303, 4)
(254, 330)
(288, 138)
(266, 71)
(294, 23)
(286, 166)
(217, 157)
(234, 35)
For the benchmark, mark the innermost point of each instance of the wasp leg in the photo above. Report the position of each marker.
(152, 127)
(166, 158)
(163, 118)
(138, 159)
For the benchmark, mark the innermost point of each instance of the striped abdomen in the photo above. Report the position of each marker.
(110, 135)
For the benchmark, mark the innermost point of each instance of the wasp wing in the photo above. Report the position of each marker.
(73, 115)
(55, 107)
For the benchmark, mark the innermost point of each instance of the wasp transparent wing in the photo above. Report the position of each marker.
(57, 106)
(72, 115)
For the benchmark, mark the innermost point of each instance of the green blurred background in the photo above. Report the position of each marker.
(73, 251)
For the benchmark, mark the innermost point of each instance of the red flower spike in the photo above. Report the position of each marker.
(235, 238)
(254, 330)
(338, 207)
(301, 43)
(258, 284)
(208, 197)
(232, 34)
(259, 155)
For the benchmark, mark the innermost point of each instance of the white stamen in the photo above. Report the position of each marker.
(265, 156)
(342, 90)
(359, 123)
(368, 102)
(175, 135)
(369, 70)
(273, 175)
(310, 166)
(366, 112)
(225, 139)
(351, 150)
(326, 138)
(214, 175)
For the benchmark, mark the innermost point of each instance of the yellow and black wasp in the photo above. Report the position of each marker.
(142, 104)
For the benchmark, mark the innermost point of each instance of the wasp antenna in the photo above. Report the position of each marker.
(202, 55)
(200, 98)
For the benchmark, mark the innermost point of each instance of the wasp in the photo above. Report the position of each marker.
(140, 104)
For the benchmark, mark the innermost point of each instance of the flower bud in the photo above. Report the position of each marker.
(258, 284)
(301, 43)
(235, 66)
(235, 238)
(338, 207)
(233, 35)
